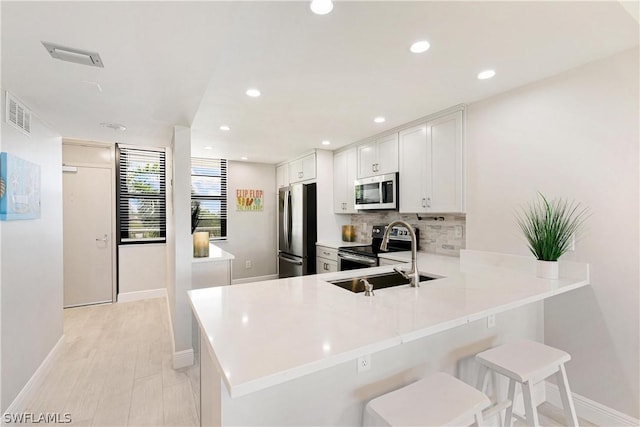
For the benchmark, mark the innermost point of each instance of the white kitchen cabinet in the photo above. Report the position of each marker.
(326, 260)
(302, 169)
(431, 163)
(344, 174)
(282, 175)
(378, 157)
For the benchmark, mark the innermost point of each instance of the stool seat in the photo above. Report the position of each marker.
(438, 400)
(528, 363)
(523, 360)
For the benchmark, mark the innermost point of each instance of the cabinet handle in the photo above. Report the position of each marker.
(300, 174)
(428, 202)
(424, 202)
(373, 167)
(326, 253)
(326, 266)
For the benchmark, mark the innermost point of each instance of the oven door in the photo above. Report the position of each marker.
(349, 261)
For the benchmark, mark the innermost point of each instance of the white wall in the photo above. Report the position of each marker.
(574, 135)
(31, 274)
(251, 236)
(141, 267)
(179, 243)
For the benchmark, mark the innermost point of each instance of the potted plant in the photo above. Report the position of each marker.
(550, 227)
(200, 238)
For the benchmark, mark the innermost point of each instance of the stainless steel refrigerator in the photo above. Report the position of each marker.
(297, 230)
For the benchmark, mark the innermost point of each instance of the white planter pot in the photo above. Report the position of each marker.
(547, 269)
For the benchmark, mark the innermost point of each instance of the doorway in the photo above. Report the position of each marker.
(88, 214)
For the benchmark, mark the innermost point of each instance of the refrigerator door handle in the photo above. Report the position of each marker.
(285, 222)
(289, 220)
(291, 260)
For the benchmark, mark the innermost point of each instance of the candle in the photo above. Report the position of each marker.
(201, 244)
(348, 233)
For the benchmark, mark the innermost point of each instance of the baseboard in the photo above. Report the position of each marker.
(140, 295)
(182, 359)
(590, 410)
(254, 279)
(28, 391)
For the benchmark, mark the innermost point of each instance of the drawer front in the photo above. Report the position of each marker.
(327, 253)
(326, 266)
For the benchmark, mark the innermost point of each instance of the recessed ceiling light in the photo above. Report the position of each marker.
(208, 148)
(325, 142)
(225, 127)
(321, 7)
(254, 93)
(486, 74)
(379, 119)
(244, 158)
(114, 126)
(419, 47)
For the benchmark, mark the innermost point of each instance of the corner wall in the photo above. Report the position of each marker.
(31, 259)
(574, 135)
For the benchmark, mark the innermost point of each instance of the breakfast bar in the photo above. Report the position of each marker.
(302, 351)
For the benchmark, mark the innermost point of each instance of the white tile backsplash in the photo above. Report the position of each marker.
(437, 232)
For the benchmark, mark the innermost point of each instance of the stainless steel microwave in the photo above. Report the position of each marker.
(377, 192)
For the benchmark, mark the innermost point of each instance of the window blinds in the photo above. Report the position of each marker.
(141, 195)
(209, 190)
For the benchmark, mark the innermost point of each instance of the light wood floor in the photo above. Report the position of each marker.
(114, 369)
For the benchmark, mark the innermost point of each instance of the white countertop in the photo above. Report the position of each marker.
(335, 244)
(302, 325)
(215, 255)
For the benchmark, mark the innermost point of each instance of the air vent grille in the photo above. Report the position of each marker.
(18, 115)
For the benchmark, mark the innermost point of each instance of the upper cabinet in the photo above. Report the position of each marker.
(302, 169)
(431, 163)
(378, 157)
(344, 175)
(282, 175)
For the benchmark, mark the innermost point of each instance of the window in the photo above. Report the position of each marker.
(209, 191)
(141, 195)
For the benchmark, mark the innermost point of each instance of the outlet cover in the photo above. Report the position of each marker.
(364, 363)
(491, 321)
(247, 264)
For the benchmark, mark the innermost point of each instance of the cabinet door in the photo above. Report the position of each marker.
(445, 160)
(413, 169)
(325, 266)
(344, 174)
(367, 159)
(282, 175)
(309, 167)
(387, 155)
(295, 171)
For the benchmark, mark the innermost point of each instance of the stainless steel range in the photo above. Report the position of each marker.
(351, 258)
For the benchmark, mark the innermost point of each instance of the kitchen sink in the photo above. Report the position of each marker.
(379, 281)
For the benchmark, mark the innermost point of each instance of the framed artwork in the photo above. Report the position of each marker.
(19, 188)
(249, 200)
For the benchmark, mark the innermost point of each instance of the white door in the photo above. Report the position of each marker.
(88, 242)
(387, 155)
(367, 159)
(413, 171)
(444, 141)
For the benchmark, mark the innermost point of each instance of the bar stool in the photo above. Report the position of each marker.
(528, 363)
(437, 400)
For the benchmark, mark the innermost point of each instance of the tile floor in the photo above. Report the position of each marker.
(114, 369)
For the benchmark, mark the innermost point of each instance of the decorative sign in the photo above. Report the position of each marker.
(249, 200)
(20, 184)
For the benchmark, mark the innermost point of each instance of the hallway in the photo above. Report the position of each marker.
(113, 368)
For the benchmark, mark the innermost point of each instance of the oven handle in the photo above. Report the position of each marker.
(354, 258)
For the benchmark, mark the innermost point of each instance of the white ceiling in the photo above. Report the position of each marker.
(321, 77)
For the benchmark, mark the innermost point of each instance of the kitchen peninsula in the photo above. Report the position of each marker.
(285, 352)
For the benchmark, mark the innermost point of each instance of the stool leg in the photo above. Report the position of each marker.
(496, 395)
(508, 418)
(567, 400)
(530, 410)
(482, 373)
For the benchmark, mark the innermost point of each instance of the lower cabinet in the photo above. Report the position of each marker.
(326, 260)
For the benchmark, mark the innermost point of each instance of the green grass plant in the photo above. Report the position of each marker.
(549, 226)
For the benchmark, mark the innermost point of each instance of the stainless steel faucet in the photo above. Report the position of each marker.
(413, 275)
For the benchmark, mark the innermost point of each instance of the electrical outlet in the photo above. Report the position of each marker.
(491, 321)
(247, 264)
(364, 363)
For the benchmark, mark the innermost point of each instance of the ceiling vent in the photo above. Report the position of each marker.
(18, 115)
(71, 54)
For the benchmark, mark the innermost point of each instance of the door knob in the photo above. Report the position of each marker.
(104, 239)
